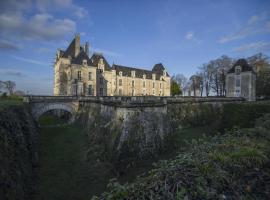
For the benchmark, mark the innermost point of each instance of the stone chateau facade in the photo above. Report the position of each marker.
(241, 81)
(75, 73)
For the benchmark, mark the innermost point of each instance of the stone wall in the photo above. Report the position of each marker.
(18, 154)
(124, 134)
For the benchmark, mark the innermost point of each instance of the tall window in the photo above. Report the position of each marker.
(133, 92)
(101, 80)
(79, 75)
(160, 85)
(90, 76)
(90, 90)
(100, 91)
(120, 82)
(120, 91)
(153, 85)
(133, 83)
(237, 84)
(143, 83)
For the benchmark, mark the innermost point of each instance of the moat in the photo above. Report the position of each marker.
(68, 172)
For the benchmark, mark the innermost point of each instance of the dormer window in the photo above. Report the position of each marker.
(144, 76)
(164, 72)
(133, 74)
(237, 70)
(154, 76)
(101, 64)
(120, 73)
(84, 62)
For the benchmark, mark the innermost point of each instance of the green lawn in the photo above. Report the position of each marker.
(64, 171)
(4, 103)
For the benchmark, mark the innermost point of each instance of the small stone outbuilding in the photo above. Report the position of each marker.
(241, 81)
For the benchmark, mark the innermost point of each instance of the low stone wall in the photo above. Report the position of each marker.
(18, 154)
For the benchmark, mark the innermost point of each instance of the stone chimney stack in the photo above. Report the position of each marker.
(77, 44)
(86, 48)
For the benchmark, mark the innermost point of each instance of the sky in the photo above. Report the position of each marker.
(181, 34)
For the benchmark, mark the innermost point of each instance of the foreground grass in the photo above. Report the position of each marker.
(10, 101)
(230, 166)
(64, 171)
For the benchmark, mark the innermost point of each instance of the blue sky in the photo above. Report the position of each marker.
(181, 34)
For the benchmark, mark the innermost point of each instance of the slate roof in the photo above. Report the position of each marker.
(95, 59)
(126, 71)
(244, 65)
(80, 57)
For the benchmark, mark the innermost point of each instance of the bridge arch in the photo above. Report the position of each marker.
(40, 108)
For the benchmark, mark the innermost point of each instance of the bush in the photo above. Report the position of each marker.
(230, 166)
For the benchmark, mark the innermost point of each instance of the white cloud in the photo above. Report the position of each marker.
(256, 24)
(256, 46)
(108, 52)
(30, 61)
(40, 26)
(6, 45)
(189, 35)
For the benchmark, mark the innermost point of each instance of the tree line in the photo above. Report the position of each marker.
(8, 88)
(210, 79)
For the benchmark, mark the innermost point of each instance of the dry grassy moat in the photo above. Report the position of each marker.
(68, 172)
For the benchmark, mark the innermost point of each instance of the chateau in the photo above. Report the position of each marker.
(75, 73)
(241, 81)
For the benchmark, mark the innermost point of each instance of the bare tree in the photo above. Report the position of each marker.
(182, 81)
(9, 86)
(195, 83)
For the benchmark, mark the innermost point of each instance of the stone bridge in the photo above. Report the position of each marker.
(41, 104)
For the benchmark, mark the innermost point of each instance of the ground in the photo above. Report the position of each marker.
(66, 174)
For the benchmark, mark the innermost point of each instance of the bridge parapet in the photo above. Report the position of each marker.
(125, 100)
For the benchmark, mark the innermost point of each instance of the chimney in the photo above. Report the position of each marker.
(86, 48)
(77, 44)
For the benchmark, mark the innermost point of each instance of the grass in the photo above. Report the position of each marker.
(49, 120)
(230, 166)
(10, 101)
(66, 174)
(64, 171)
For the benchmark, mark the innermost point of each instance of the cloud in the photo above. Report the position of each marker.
(30, 61)
(7, 46)
(256, 24)
(12, 73)
(108, 52)
(40, 26)
(257, 46)
(67, 5)
(189, 35)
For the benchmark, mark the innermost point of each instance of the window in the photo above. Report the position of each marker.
(120, 82)
(133, 73)
(101, 80)
(160, 85)
(144, 76)
(89, 76)
(120, 73)
(90, 90)
(120, 91)
(153, 92)
(100, 91)
(238, 70)
(143, 83)
(79, 75)
(84, 62)
(133, 83)
(238, 82)
(133, 92)
(153, 85)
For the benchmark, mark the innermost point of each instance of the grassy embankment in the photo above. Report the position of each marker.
(10, 101)
(234, 165)
(230, 166)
